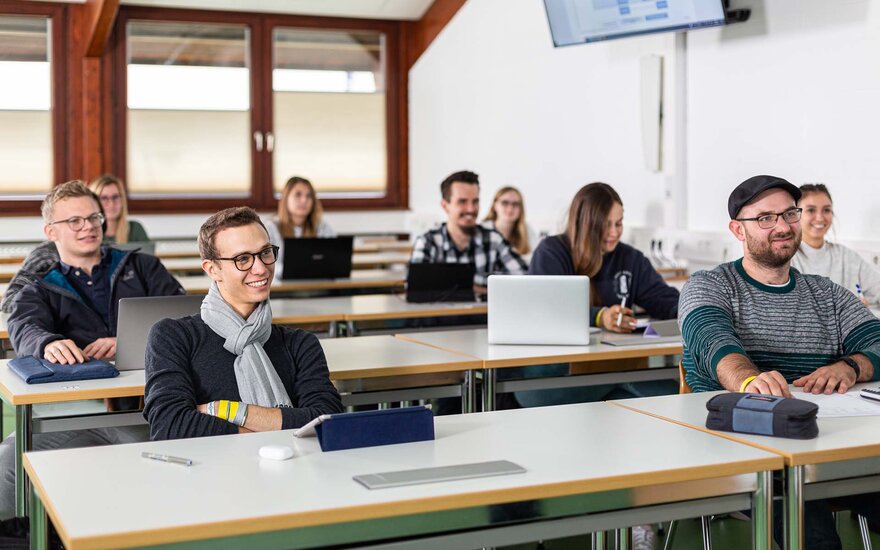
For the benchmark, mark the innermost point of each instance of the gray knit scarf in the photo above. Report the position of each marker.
(258, 382)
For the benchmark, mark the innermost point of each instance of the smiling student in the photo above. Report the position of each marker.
(229, 369)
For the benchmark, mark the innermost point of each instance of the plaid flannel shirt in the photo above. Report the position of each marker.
(488, 251)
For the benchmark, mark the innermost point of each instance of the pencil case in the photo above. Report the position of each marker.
(371, 428)
(34, 370)
(753, 413)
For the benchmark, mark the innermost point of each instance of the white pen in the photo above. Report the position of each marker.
(167, 458)
(622, 305)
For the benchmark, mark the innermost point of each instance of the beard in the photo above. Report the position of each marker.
(763, 253)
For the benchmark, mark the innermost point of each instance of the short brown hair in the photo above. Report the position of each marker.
(231, 217)
(67, 190)
(463, 176)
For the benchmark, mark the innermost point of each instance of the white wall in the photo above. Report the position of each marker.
(492, 95)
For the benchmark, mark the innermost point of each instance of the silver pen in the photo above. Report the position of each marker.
(168, 458)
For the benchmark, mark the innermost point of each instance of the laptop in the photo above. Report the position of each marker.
(440, 283)
(656, 332)
(317, 258)
(138, 315)
(539, 309)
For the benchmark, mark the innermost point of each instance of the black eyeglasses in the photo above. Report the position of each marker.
(245, 260)
(768, 221)
(76, 223)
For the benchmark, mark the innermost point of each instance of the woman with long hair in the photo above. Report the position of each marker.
(120, 229)
(620, 276)
(818, 256)
(508, 216)
(299, 215)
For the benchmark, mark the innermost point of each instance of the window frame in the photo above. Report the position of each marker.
(262, 195)
(58, 14)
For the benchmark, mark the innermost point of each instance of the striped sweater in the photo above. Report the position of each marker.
(794, 329)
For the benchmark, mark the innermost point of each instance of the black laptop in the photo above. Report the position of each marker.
(317, 258)
(440, 283)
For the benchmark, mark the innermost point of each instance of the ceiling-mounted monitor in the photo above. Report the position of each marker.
(584, 21)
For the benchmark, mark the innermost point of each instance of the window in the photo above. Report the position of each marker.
(221, 108)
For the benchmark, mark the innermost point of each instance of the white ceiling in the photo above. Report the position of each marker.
(366, 9)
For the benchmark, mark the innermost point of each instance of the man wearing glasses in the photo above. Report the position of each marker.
(756, 325)
(69, 314)
(228, 369)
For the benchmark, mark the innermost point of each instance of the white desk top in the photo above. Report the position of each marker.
(190, 248)
(839, 438)
(366, 260)
(15, 391)
(377, 356)
(362, 278)
(474, 342)
(230, 490)
(361, 308)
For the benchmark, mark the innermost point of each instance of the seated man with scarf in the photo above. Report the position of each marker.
(228, 369)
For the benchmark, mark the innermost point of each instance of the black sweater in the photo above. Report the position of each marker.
(186, 365)
(625, 272)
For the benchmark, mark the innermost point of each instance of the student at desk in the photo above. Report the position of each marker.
(299, 215)
(815, 255)
(756, 325)
(69, 312)
(229, 369)
(461, 239)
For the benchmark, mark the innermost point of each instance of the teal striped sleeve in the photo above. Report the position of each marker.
(858, 327)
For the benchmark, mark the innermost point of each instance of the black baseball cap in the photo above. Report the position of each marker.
(754, 186)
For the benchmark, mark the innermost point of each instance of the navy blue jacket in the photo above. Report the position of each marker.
(625, 272)
(51, 309)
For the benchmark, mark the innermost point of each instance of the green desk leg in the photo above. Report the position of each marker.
(488, 389)
(22, 445)
(623, 538)
(762, 513)
(38, 525)
(794, 507)
(599, 540)
(469, 391)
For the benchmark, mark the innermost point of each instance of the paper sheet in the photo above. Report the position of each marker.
(838, 405)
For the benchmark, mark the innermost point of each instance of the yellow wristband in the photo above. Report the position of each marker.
(599, 316)
(223, 407)
(745, 383)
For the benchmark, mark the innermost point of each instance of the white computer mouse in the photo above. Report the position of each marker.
(276, 452)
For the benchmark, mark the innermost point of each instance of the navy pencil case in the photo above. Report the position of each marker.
(754, 413)
(371, 428)
(40, 371)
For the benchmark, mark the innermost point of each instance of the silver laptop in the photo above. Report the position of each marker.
(656, 332)
(539, 309)
(138, 315)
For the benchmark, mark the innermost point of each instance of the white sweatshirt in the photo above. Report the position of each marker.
(842, 265)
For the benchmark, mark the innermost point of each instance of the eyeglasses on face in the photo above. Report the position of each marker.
(245, 260)
(510, 204)
(768, 221)
(76, 223)
(111, 198)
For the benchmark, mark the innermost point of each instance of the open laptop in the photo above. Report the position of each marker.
(440, 283)
(138, 315)
(656, 332)
(539, 309)
(317, 258)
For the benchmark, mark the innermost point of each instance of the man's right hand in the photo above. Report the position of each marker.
(63, 352)
(769, 383)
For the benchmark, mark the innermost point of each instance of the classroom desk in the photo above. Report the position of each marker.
(368, 260)
(474, 342)
(360, 279)
(844, 459)
(190, 249)
(311, 500)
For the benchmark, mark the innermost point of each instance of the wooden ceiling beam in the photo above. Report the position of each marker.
(101, 15)
(425, 30)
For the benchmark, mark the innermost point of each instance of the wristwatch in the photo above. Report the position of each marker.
(855, 366)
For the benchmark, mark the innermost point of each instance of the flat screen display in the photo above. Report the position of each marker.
(584, 21)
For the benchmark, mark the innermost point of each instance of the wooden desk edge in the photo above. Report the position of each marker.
(469, 363)
(588, 357)
(408, 338)
(229, 528)
(63, 396)
(476, 310)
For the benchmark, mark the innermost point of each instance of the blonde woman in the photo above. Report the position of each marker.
(508, 216)
(120, 229)
(299, 215)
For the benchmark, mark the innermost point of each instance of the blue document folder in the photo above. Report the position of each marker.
(40, 371)
(372, 428)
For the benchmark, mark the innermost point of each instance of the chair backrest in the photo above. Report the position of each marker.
(683, 386)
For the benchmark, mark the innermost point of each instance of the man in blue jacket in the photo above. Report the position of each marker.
(69, 313)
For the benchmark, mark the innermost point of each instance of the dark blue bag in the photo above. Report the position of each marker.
(40, 371)
(373, 428)
(754, 413)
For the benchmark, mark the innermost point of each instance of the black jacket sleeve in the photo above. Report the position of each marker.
(658, 298)
(37, 262)
(31, 324)
(314, 394)
(169, 396)
(159, 281)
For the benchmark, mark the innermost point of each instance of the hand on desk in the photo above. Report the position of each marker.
(64, 352)
(102, 348)
(769, 383)
(609, 319)
(836, 376)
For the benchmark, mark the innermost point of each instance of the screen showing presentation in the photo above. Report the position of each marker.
(582, 21)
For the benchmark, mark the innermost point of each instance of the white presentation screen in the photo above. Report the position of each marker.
(582, 21)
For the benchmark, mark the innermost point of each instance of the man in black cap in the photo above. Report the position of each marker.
(757, 325)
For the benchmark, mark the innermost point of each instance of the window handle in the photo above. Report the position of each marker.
(258, 140)
(270, 142)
